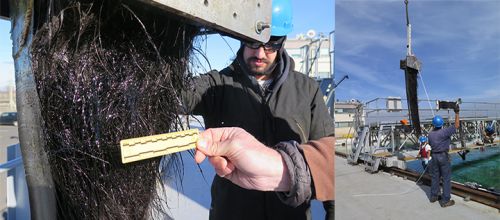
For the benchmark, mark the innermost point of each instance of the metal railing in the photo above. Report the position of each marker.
(18, 206)
(11, 164)
(376, 110)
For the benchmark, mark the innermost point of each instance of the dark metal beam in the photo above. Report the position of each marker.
(38, 175)
(4, 9)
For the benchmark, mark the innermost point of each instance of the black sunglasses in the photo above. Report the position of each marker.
(269, 47)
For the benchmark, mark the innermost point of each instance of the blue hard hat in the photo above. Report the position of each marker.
(281, 22)
(437, 121)
(422, 139)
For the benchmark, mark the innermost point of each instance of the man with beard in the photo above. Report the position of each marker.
(270, 137)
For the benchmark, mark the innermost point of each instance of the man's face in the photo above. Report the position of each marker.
(260, 57)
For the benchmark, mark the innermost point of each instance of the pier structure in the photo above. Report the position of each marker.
(385, 137)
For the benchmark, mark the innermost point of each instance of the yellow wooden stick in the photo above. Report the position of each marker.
(142, 148)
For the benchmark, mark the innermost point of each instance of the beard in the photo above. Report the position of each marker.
(260, 70)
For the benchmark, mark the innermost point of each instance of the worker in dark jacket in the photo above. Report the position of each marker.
(440, 139)
(489, 134)
(272, 139)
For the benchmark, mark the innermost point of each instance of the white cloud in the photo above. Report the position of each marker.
(467, 28)
(359, 29)
(6, 73)
(488, 95)
(371, 80)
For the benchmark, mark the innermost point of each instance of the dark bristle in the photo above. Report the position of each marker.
(106, 72)
(412, 97)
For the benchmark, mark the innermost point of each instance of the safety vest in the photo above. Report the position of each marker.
(423, 152)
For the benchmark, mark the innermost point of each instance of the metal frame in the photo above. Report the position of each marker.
(38, 175)
(230, 17)
(384, 133)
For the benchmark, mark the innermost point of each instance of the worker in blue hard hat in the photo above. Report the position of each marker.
(440, 165)
(424, 151)
(269, 135)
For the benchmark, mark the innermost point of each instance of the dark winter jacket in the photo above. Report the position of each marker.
(290, 113)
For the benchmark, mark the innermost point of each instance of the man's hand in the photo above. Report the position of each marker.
(237, 156)
(457, 108)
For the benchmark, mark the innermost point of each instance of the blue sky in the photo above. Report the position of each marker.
(6, 62)
(457, 41)
(312, 14)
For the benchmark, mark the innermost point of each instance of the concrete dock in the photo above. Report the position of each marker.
(360, 195)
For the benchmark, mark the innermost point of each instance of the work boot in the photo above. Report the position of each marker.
(434, 199)
(449, 203)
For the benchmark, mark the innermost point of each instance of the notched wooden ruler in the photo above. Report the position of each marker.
(142, 148)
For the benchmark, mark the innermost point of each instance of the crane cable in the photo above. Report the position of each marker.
(426, 94)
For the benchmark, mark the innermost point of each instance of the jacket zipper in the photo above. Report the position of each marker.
(301, 131)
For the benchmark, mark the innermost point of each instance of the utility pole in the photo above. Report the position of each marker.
(330, 100)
